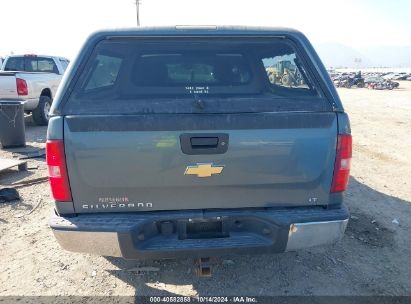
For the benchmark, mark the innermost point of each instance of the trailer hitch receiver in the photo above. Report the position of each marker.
(203, 267)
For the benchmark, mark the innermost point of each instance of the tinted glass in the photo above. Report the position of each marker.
(179, 72)
(31, 64)
(14, 64)
(187, 69)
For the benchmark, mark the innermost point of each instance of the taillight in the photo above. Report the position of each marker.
(22, 89)
(57, 169)
(342, 163)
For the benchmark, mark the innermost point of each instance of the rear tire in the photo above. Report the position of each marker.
(40, 114)
(285, 80)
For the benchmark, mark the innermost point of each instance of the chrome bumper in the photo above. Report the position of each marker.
(137, 236)
(100, 243)
(306, 235)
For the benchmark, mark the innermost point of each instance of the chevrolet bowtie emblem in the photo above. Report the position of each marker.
(203, 170)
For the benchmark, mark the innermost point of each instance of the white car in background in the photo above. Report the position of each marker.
(396, 76)
(33, 78)
(389, 76)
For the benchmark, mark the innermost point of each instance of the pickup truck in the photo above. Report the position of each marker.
(175, 142)
(34, 79)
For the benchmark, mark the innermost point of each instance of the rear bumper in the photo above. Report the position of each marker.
(156, 235)
(31, 104)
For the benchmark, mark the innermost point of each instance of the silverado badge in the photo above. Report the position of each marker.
(203, 170)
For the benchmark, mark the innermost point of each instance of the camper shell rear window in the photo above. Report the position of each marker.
(194, 75)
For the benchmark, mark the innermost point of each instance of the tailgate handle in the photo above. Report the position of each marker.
(204, 143)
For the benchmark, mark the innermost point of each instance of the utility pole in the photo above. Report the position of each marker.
(137, 2)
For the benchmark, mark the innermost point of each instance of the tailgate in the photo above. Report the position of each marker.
(152, 162)
(8, 88)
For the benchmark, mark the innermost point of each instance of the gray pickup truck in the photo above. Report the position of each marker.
(171, 142)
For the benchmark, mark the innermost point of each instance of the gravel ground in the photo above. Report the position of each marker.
(372, 259)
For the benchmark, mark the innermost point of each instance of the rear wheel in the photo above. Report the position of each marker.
(41, 113)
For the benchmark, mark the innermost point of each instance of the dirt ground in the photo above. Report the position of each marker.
(372, 259)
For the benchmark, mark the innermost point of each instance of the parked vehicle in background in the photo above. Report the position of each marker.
(33, 78)
(286, 73)
(349, 81)
(394, 76)
(357, 81)
(379, 83)
(342, 82)
(400, 76)
(372, 80)
(176, 142)
(1, 62)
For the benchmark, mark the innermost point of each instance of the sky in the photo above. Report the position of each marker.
(59, 27)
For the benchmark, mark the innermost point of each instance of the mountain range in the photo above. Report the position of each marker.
(340, 55)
